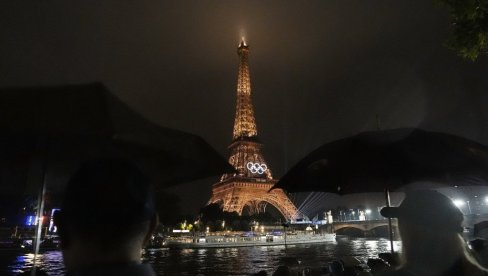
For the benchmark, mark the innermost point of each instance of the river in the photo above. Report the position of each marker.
(222, 261)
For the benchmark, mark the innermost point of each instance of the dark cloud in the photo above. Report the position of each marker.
(321, 70)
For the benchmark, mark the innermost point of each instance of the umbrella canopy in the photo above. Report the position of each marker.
(56, 128)
(373, 161)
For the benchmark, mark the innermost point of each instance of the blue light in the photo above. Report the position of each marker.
(52, 227)
(29, 220)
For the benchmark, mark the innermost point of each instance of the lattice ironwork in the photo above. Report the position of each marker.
(250, 185)
(245, 123)
(238, 193)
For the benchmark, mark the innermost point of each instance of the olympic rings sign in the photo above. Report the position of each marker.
(256, 167)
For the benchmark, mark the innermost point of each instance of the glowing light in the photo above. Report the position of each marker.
(29, 220)
(180, 231)
(458, 202)
(52, 227)
(42, 219)
(362, 215)
(256, 167)
(368, 211)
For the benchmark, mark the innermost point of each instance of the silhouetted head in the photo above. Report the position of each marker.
(108, 207)
(427, 208)
(430, 227)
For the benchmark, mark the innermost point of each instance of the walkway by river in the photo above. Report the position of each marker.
(223, 261)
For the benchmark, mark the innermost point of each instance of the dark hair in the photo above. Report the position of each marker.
(429, 208)
(106, 201)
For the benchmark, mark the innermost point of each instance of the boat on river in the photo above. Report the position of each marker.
(27, 243)
(240, 240)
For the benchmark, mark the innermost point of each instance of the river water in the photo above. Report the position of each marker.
(222, 261)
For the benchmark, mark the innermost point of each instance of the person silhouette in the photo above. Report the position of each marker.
(430, 227)
(106, 217)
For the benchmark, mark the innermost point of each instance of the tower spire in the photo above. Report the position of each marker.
(243, 42)
(245, 123)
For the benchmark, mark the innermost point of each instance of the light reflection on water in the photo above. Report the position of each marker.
(224, 261)
(248, 260)
(50, 261)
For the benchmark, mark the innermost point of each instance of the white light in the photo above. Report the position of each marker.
(368, 211)
(458, 202)
(256, 167)
(180, 231)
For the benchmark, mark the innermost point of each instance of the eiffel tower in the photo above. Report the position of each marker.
(249, 186)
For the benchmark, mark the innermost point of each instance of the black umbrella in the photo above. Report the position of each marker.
(373, 161)
(47, 132)
(64, 125)
(384, 160)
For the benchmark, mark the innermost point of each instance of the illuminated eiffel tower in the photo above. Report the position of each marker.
(250, 185)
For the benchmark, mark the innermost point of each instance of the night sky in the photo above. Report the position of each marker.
(320, 70)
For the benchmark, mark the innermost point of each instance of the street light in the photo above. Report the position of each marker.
(458, 202)
(368, 212)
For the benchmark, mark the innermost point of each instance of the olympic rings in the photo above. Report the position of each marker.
(256, 167)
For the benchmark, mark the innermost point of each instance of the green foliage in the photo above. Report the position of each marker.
(185, 225)
(469, 23)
